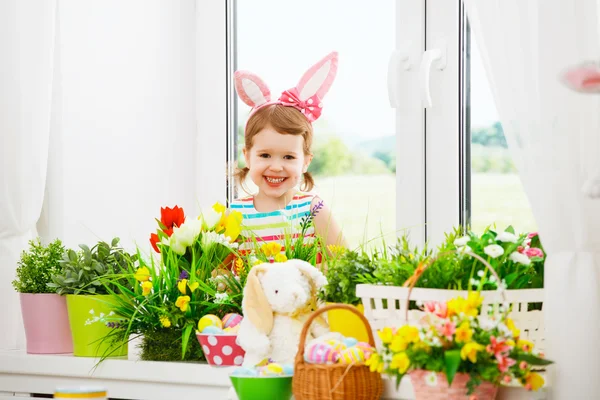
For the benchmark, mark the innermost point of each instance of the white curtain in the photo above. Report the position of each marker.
(27, 41)
(554, 138)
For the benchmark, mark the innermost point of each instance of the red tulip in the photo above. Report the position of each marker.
(171, 217)
(153, 240)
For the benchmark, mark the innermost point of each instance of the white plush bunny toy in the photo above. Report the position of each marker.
(278, 298)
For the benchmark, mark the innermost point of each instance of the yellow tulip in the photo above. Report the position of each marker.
(146, 287)
(233, 225)
(182, 286)
(183, 302)
(280, 257)
(271, 249)
(534, 380)
(470, 350)
(142, 274)
(375, 363)
(463, 333)
(218, 207)
(398, 344)
(409, 333)
(401, 362)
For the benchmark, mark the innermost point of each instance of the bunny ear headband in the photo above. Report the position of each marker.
(305, 97)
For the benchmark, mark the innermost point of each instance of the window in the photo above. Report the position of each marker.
(354, 145)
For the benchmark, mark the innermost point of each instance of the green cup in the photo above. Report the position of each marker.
(262, 388)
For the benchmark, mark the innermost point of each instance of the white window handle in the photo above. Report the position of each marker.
(439, 55)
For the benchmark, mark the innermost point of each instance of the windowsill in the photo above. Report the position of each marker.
(145, 380)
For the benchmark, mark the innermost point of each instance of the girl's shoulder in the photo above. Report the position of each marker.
(242, 203)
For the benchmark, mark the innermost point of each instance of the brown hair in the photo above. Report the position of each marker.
(285, 120)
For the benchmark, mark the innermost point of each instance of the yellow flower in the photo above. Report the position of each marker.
(146, 287)
(421, 346)
(233, 225)
(182, 286)
(511, 326)
(375, 363)
(336, 249)
(470, 350)
(401, 362)
(386, 335)
(409, 333)
(239, 266)
(456, 306)
(182, 302)
(535, 380)
(218, 207)
(142, 274)
(193, 286)
(526, 345)
(463, 333)
(165, 322)
(271, 249)
(280, 257)
(257, 261)
(474, 299)
(510, 343)
(398, 344)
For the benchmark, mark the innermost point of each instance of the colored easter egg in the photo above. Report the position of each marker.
(273, 369)
(349, 341)
(288, 369)
(209, 320)
(352, 355)
(245, 371)
(366, 348)
(231, 320)
(336, 344)
(321, 353)
(213, 330)
(232, 330)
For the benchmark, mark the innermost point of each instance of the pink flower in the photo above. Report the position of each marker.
(507, 379)
(497, 347)
(447, 330)
(532, 235)
(504, 363)
(520, 249)
(534, 252)
(523, 365)
(437, 308)
(528, 386)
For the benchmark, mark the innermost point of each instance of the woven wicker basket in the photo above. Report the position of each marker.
(334, 381)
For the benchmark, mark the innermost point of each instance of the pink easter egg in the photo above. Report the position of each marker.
(366, 348)
(231, 320)
(352, 355)
(321, 353)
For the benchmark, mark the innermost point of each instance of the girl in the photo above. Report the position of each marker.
(278, 139)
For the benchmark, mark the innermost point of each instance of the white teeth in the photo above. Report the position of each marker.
(274, 180)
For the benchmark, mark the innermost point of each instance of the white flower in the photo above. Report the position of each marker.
(493, 250)
(480, 273)
(507, 237)
(211, 238)
(92, 311)
(431, 379)
(461, 241)
(210, 217)
(504, 330)
(221, 297)
(487, 323)
(187, 233)
(175, 245)
(464, 249)
(519, 258)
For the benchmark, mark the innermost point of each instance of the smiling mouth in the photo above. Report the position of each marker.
(274, 181)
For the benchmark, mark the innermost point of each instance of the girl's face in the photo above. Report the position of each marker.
(276, 161)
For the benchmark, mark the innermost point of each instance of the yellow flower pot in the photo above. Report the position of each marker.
(347, 323)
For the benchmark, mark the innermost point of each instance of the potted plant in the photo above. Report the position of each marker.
(162, 301)
(83, 279)
(44, 312)
(457, 351)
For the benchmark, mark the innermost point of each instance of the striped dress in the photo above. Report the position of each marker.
(274, 226)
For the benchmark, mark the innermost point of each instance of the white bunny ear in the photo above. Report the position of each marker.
(311, 273)
(318, 79)
(255, 305)
(251, 89)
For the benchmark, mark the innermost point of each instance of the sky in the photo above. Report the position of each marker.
(279, 40)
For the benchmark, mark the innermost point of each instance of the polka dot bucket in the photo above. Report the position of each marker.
(221, 350)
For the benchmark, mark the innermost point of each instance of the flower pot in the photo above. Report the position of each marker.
(221, 350)
(430, 385)
(347, 323)
(88, 316)
(46, 323)
(262, 388)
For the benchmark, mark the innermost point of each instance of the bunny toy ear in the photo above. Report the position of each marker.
(318, 79)
(311, 273)
(251, 89)
(255, 305)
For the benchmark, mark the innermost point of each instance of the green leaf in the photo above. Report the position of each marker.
(510, 278)
(185, 337)
(115, 242)
(452, 361)
(510, 229)
(533, 360)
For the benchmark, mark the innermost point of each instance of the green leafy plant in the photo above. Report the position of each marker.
(37, 265)
(344, 272)
(86, 271)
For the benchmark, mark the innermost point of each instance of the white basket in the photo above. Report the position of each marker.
(530, 323)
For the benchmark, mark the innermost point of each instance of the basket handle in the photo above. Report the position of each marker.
(419, 272)
(313, 316)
